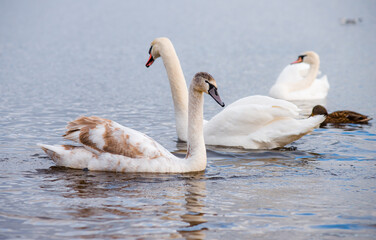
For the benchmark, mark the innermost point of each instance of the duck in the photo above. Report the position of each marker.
(337, 117)
(253, 122)
(350, 21)
(109, 146)
(298, 81)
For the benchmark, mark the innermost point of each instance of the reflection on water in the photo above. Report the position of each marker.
(118, 198)
(194, 216)
(307, 106)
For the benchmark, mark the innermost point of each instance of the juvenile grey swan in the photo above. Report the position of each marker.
(109, 146)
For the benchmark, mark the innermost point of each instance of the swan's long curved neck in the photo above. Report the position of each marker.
(178, 89)
(310, 78)
(196, 153)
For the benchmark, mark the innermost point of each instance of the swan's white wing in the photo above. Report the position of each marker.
(248, 115)
(260, 100)
(258, 122)
(290, 76)
(100, 135)
(283, 131)
(293, 73)
(318, 90)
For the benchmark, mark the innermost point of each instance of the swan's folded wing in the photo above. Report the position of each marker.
(249, 114)
(293, 73)
(101, 135)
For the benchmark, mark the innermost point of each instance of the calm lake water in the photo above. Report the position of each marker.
(63, 59)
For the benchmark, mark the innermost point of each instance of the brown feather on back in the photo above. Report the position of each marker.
(115, 140)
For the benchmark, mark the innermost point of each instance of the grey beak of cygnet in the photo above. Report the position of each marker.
(214, 94)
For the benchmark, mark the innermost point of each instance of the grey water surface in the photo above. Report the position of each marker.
(63, 59)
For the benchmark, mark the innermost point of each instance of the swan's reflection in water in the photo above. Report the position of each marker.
(112, 205)
(194, 216)
(116, 205)
(307, 105)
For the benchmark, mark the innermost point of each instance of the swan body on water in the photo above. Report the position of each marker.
(298, 81)
(109, 146)
(254, 122)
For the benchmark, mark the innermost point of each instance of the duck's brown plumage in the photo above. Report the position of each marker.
(343, 116)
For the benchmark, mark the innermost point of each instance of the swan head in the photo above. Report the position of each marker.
(309, 57)
(319, 110)
(204, 82)
(156, 47)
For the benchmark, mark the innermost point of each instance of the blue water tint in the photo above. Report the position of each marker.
(371, 218)
(195, 228)
(306, 214)
(267, 215)
(370, 139)
(359, 133)
(340, 226)
(289, 228)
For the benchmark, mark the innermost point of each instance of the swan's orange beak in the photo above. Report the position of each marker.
(150, 61)
(300, 59)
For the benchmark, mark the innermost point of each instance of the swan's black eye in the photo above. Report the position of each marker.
(150, 49)
(211, 86)
(302, 56)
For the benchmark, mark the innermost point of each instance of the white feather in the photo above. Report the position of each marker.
(256, 122)
(304, 75)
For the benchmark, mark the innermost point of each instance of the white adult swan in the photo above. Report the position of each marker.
(298, 81)
(109, 146)
(255, 122)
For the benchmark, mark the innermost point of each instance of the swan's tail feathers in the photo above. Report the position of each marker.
(54, 152)
(304, 127)
(316, 120)
(68, 155)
